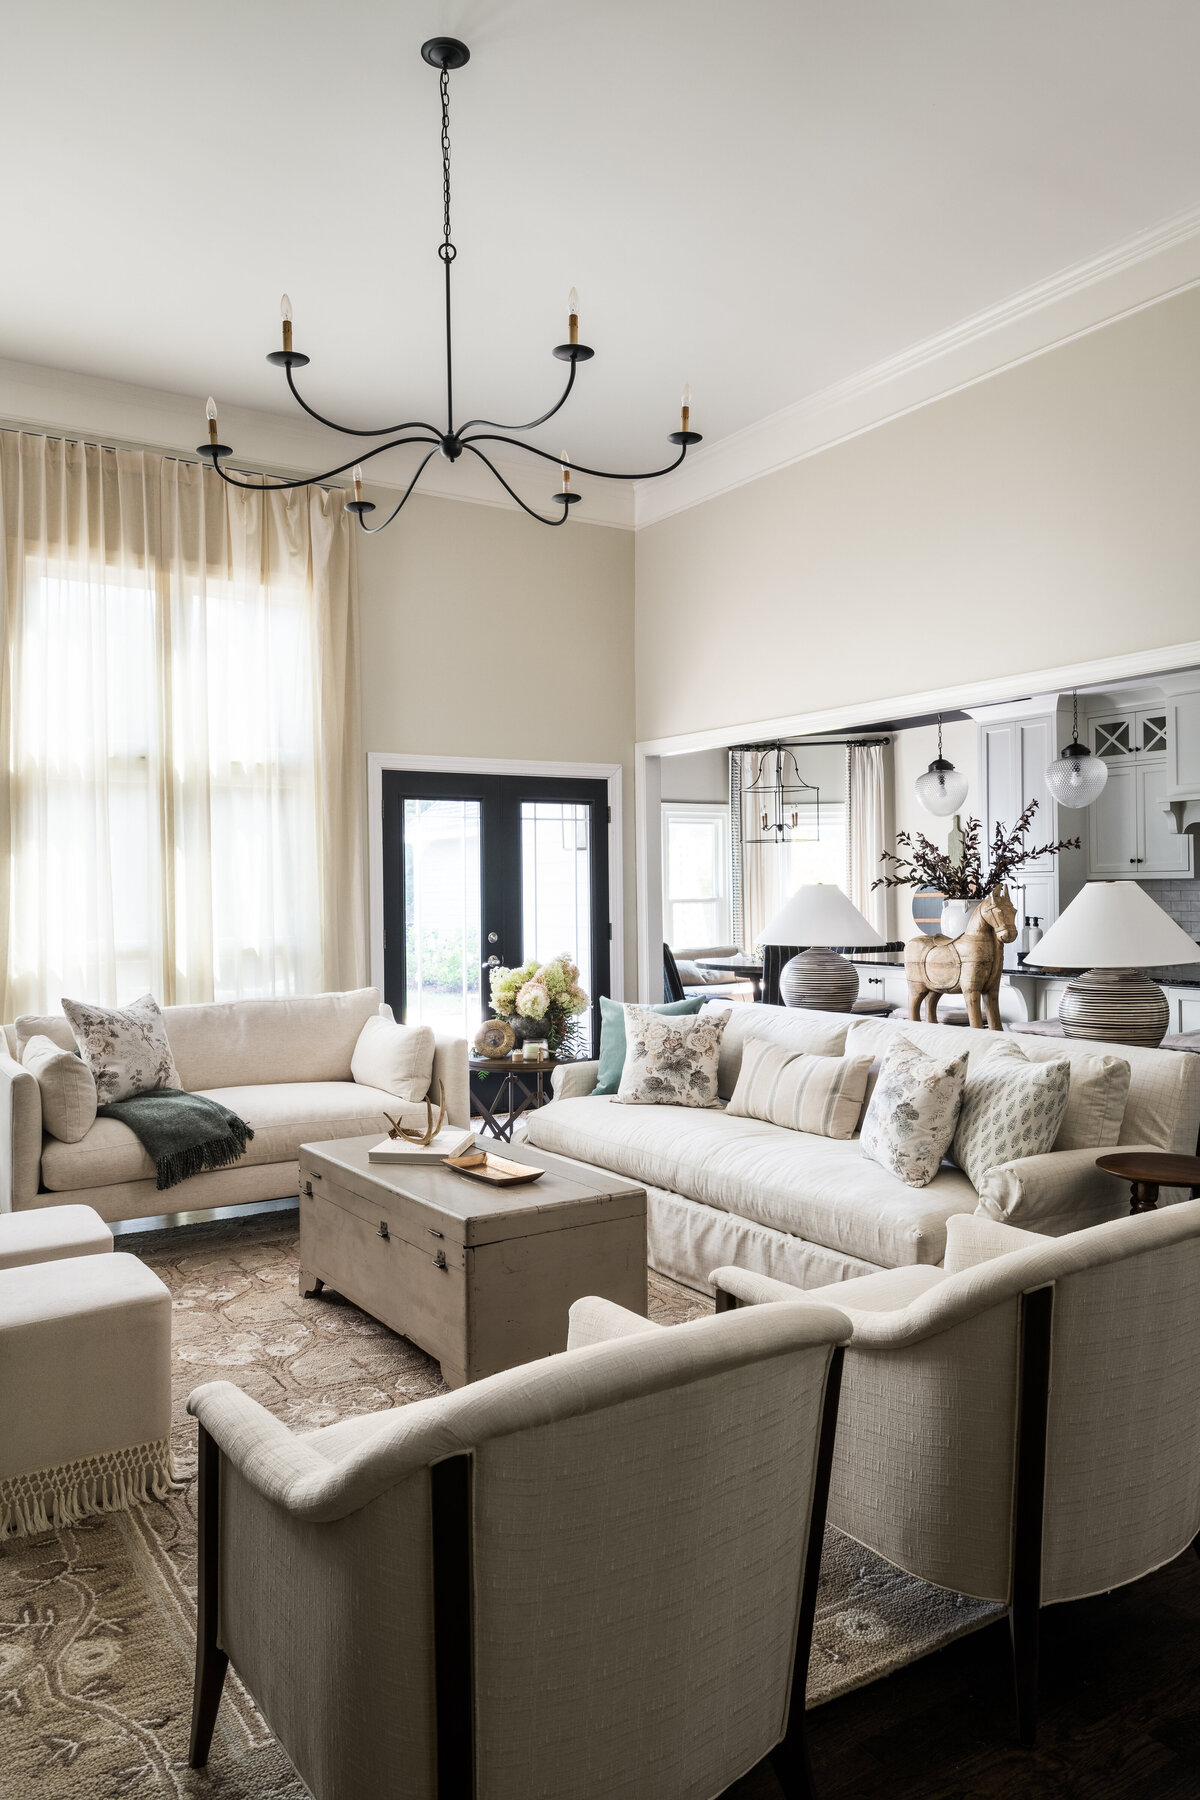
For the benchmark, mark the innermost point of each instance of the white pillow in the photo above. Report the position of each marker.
(1011, 1108)
(1096, 1102)
(67, 1087)
(910, 1121)
(670, 1060)
(822, 1095)
(126, 1048)
(396, 1058)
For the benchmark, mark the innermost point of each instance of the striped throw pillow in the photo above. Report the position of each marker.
(819, 1094)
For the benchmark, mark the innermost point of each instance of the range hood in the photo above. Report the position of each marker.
(1182, 799)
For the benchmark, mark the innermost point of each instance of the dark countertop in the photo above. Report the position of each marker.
(1180, 975)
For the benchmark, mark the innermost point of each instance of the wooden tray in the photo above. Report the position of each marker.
(481, 1165)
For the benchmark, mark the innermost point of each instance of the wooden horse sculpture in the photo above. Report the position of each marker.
(969, 965)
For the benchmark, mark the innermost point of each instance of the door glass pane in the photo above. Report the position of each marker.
(556, 891)
(442, 914)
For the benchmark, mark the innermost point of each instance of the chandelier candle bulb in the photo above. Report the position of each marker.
(685, 407)
(566, 473)
(358, 481)
(573, 317)
(210, 413)
(285, 313)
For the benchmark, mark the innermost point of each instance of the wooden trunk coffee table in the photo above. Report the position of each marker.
(1148, 1170)
(480, 1277)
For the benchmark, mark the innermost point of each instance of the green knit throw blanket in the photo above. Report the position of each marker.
(184, 1134)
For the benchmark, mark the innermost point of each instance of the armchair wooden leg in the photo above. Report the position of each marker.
(726, 1302)
(211, 1661)
(1037, 1315)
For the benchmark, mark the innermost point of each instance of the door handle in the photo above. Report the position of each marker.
(493, 962)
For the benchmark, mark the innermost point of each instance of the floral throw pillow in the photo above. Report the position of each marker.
(670, 1061)
(909, 1124)
(1011, 1107)
(126, 1049)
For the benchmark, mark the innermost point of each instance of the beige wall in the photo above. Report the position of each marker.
(486, 634)
(1037, 519)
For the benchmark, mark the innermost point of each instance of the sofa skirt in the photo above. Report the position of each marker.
(687, 1241)
(217, 1187)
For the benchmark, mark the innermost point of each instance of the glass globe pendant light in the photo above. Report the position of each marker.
(943, 788)
(1076, 777)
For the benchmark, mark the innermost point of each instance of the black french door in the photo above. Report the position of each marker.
(487, 870)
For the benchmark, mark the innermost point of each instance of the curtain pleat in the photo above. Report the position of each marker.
(181, 806)
(866, 829)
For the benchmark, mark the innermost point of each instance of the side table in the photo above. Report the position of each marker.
(522, 1087)
(1148, 1170)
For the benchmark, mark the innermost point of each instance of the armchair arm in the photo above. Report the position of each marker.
(1059, 1192)
(574, 1080)
(451, 1069)
(595, 1321)
(20, 1136)
(972, 1239)
(887, 1291)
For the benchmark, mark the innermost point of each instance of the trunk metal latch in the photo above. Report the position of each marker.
(383, 1228)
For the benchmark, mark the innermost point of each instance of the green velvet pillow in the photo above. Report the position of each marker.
(612, 1037)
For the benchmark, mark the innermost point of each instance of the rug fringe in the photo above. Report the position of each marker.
(114, 1480)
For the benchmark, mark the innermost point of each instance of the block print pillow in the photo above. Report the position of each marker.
(670, 1061)
(909, 1123)
(125, 1048)
(1011, 1107)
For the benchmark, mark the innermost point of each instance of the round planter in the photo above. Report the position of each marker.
(956, 916)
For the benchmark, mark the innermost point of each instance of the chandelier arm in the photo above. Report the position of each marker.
(355, 430)
(408, 490)
(486, 437)
(499, 425)
(269, 487)
(563, 515)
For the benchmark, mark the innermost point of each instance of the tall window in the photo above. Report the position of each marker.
(170, 799)
(696, 874)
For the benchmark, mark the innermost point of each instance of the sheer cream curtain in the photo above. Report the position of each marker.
(867, 829)
(180, 806)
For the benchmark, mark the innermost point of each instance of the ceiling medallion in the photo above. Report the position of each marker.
(446, 54)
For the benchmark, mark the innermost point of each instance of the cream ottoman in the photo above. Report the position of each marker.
(85, 1400)
(50, 1233)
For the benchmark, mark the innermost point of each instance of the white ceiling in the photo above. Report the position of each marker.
(760, 198)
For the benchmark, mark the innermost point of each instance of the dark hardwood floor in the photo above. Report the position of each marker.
(1119, 1712)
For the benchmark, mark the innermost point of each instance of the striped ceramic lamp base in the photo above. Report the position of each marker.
(820, 979)
(1120, 1006)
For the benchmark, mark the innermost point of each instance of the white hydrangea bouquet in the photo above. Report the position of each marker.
(540, 999)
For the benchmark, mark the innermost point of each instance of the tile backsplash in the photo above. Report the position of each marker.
(1182, 900)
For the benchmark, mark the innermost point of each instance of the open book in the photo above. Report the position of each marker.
(451, 1140)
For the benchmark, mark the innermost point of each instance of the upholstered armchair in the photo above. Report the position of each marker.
(593, 1576)
(1024, 1424)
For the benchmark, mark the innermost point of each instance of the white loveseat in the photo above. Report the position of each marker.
(282, 1065)
(811, 1210)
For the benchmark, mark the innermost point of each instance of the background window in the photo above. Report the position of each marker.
(695, 874)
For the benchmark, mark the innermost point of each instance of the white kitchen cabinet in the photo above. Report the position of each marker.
(1014, 755)
(1112, 828)
(1161, 849)
(1130, 834)
(1189, 1010)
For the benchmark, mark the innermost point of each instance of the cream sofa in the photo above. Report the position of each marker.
(811, 1210)
(282, 1065)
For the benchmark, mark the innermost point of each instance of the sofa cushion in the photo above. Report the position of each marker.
(283, 1115)
(1011, 1107)
(240, 1042)
(816, 1033)
(819, 1094)
(55, 1026)
(67, 1088)
(612, 1035)
(820, 1189)
(396, 1058)
(670, 1061)
(909, 1123)
(125, 1047)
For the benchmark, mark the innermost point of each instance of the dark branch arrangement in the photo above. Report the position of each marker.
(446, 54)
(927, 866)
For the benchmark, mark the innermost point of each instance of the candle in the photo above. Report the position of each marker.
(285, 313)
(573, 316)
(358, 481)
(566, 474)
(210, 413)
(685, 406)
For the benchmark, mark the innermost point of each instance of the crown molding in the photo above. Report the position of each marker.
(61, 403)
(1145, 268)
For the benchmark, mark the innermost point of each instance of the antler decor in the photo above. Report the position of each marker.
(413, 1134)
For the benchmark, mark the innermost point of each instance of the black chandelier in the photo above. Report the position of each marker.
(446, 54)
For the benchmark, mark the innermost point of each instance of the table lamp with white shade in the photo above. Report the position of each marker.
(1114, 930)
(820, 915)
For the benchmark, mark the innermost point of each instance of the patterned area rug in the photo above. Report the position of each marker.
(97, 1622)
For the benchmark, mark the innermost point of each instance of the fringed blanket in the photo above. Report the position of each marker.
(184, 1134)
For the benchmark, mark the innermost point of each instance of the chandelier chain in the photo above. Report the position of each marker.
(1074, 715)
(447, 252)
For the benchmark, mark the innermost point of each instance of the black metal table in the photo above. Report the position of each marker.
(522, 1087)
